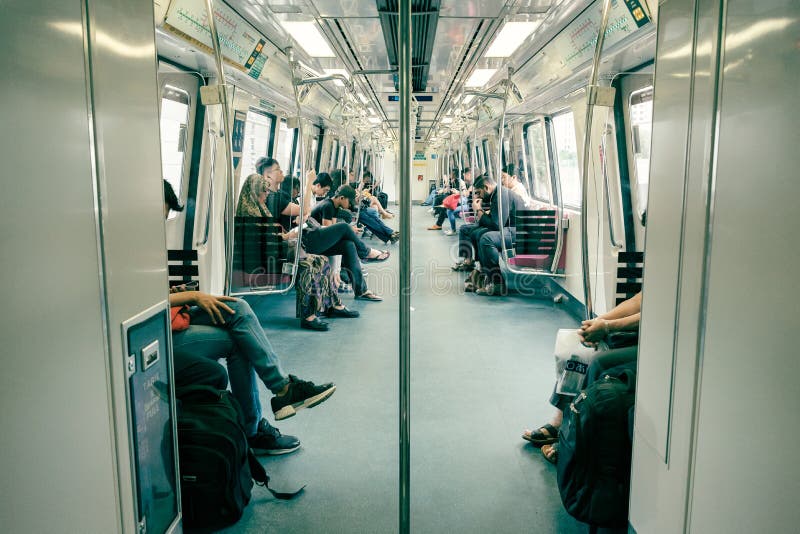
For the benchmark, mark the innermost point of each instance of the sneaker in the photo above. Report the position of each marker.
(269, 440)
(301, 394)
(449, 232)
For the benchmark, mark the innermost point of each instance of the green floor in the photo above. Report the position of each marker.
(481, 371)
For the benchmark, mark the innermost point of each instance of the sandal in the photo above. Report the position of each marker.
(383, 256)
(544, 435)
(469, 287)
(550, 453)
(370, 296)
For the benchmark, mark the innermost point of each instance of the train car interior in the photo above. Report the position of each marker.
(532, 263)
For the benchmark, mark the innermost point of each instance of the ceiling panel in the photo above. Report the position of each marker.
(472, 8)
(452, 36)
(367, 41)
(345, 8)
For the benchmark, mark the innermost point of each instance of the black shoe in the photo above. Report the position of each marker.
(301, 394)
(344, 312)
(463, 267)
(269, 440)
(316, 324)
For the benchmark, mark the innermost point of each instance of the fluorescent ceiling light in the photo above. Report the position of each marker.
(447, 120)
(362, 98)
(510, 37)
(343, 72)
(309, 38)
(374, 120)
(468, 99)
(371, 111)
(480, 77)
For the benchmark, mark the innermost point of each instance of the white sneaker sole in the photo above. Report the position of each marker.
(274, 452)
(292, 409)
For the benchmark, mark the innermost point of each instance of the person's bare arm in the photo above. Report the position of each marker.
(211, 304)
(625, 316)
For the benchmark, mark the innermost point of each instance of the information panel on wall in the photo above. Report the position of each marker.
(242, 46)
(576, 43)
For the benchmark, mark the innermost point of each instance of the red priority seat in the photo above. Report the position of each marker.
(536, 243)
(533, 261)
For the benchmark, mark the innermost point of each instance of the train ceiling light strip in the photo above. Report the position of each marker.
(510, 38)
(308, 37)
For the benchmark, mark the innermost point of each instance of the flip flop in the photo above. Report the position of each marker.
(539, 438)
(370, 296)
(383, 256)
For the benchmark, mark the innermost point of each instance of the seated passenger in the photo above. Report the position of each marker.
(226, 327)
(369, 193)
(314, 281)
(489, 244)
(623, 317)
(321, 187)
(464, 190)
(331, 238)
(511, 181)
(471, 236)
(368, 216)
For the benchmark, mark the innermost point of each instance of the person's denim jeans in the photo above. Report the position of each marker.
(369, 217)
(249, 354)
(430, 199)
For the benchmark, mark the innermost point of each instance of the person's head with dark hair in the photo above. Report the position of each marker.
(345, 197)
(483, 186)
(270, 169)
(171, 202)
(338, 179)
(466, 175)
(291, 186)
(322, 184)
(507, 176)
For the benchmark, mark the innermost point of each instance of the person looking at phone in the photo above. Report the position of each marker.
(226, 327)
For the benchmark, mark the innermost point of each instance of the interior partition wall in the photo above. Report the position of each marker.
(82, 219)
(719, 315)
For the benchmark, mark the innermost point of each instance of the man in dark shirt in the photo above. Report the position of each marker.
(503, 203)
(331, 238)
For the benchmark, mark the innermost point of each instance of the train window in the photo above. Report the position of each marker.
(488, 159)
(174, 120)
(285, 141)
(536, 144)
(334, 155)
(641, 121)
(258, 132)
(314, 154)
(567, 158)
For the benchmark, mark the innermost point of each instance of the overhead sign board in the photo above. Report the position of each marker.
(242, 46)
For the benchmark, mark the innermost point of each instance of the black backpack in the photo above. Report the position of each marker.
(217, 467)
(594, 451)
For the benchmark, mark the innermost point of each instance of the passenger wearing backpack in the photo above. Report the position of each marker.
(622, 318)
(220, 326)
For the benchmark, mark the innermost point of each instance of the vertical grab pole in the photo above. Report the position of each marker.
(500, 141)
(303, 163)
(226, 130)
(404, 48)
(590, 94)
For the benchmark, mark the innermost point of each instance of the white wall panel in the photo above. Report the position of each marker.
(749, 356)
(56, 438)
